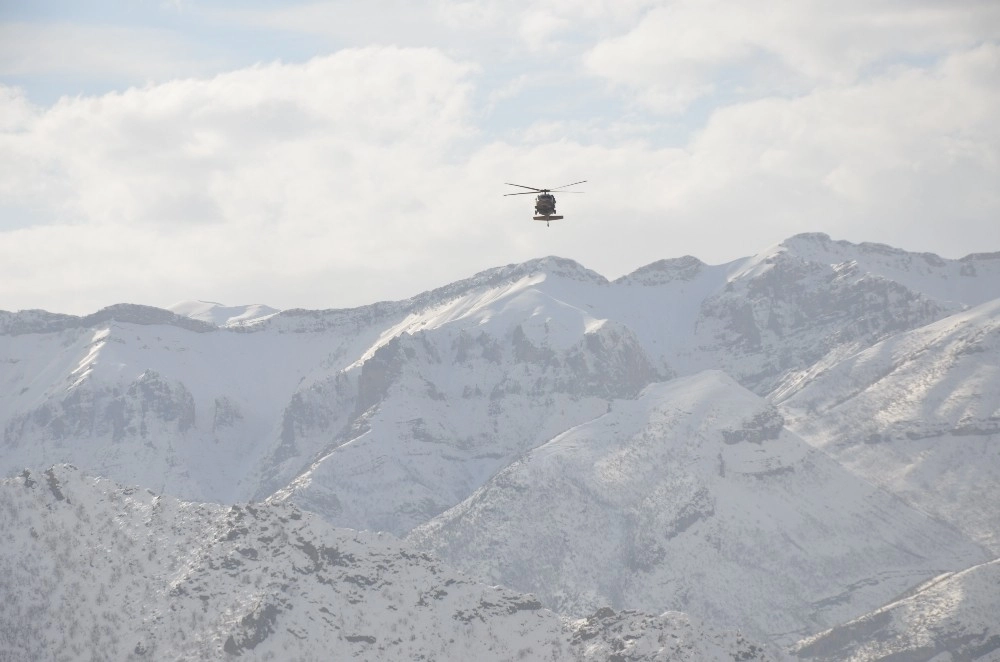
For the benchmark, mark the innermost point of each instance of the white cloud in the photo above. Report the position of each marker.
(540, 30)
(293, 166)
(136, 53)
(474, 29)
(911, 157)
(377, 22)
(678, 50)
(17, 110)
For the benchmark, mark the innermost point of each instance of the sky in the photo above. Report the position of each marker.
(334, 153)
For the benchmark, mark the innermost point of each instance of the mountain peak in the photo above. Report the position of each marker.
(550, 266)
(967, 282)
(554, 266)
(133, 313)
(40, 321)
(816, 237)
(683, 268)
(812, 244)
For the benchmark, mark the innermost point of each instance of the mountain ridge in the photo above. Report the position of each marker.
(386, 416)
(567, 267)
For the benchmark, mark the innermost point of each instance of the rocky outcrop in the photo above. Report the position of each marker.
(148, 407)
(94, 570)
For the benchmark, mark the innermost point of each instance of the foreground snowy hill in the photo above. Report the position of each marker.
(918, 414)
(91, 570)
(952, 617)
(693, 497)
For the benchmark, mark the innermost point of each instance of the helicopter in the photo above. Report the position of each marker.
(545, 202)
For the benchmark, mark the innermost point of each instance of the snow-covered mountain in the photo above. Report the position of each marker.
(918, 414)
(387, 416)
(154, 398)
(765, 318)
(470, 386)
(92, 570)
(242, 411)
(693, 496)
(952, 617)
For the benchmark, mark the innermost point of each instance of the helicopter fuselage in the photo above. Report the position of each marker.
(545, 204)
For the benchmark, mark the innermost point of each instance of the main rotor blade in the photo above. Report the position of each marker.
(522, 186)
(565, 185)
(544, 191)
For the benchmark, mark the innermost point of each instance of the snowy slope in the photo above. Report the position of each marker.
(693, 497)
(163, 400)
(443, 408)
(95, 571)
(953, 617)
(918, 414)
